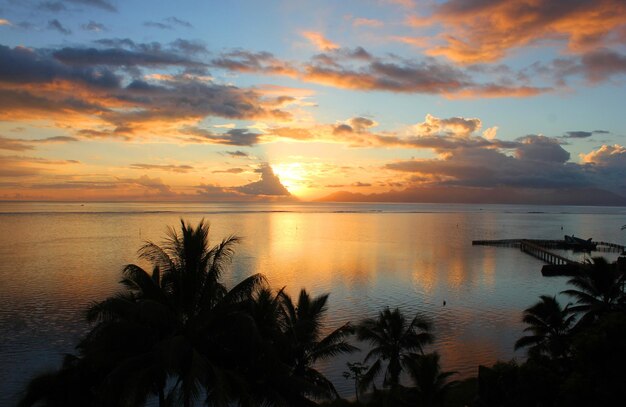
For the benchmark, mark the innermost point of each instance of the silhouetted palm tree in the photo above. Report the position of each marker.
(393, 339)
(549, 325)
(186, 325)
(431, 384)
(303, 341)
(599, 289)
(70, 386)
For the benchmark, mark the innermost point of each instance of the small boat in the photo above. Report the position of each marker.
(576, 243)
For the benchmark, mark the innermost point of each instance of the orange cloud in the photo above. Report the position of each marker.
(606, 155)
(419, 42)
(321, 42)
(458, 126)
(94, 101)
(486, 31)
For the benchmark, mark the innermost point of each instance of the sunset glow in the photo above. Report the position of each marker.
(446, 101)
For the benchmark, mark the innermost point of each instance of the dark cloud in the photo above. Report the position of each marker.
(193, 99)
(342, 129)
(101, 4)
(583, 134)
(428, 76)
(361, 123)
(487, 195)
(56, 139)
(596, 66)
(237, 154)
(117, 43)
(246, 61)
(578, 134)
(269, 184)
(169, 24)
(333, 57)
(424, 77)
(179, 22)
(93, 27)
(492, 168)
(171, 168)
(603, 64)
(23, 103)
(607, 166)
(57, 26)
(467, 160)
(24, 65)
(361, 184)
(359, 70)
(98, 74)
(234, 137)
(121, 57)
(235, 170)
(354, 125)
(189, 47)
(541, 148)
(530, 162)
(217, 193)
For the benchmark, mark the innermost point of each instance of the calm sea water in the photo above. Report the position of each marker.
(56, 258)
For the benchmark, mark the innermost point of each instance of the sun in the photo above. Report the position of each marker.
(293, 176)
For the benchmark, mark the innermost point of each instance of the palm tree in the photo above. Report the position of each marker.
(393, 339)
(549, 325)
(70, 386)
(431, 384)
(186, 325)
(303, 343)
(599, 289)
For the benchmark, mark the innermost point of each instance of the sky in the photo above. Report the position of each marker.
(480, 101)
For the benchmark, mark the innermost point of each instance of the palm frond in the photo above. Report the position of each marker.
(368, 377)
(117, 307)
(244, 289)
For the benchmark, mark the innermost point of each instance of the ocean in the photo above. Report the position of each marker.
(57, 258)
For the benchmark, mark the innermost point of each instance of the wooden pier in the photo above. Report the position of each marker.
(541, 249)
(548, 244)
(543, 254)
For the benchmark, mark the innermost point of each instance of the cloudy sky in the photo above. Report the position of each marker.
(371, 100)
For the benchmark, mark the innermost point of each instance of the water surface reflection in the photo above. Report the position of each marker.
(56, 261)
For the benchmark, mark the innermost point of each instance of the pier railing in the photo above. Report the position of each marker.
(541, 253)
(540, 249)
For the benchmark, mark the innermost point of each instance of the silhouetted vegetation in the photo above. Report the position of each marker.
(179, 336)
(576, 353)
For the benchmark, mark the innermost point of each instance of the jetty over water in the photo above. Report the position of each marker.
(542, 249)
